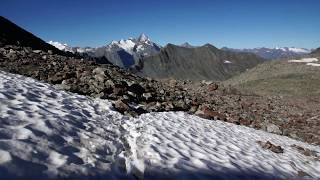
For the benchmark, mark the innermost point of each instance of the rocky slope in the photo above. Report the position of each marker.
(274, 53)
(134, 95)
(199, 63)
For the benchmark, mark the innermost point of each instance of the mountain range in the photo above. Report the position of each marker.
(274, 53)
(198, 63)
(147, 58)
(129, 52)
(122, 53)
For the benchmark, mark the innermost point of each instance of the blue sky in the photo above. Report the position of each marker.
(232, 23)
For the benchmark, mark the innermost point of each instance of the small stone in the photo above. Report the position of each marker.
(206, 113)
(99, 70)
(121, 106)
(271, 147)
(303, 174)
(272, 128)
(136, 88)
(213, 87)
(147, 96)
(37, 51)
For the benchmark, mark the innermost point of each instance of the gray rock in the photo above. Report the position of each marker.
(37, 51)
(147, 96)
(272, 128)
(99, 70)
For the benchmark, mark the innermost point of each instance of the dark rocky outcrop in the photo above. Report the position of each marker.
(316, 52)
(12, 34)
(200, 63)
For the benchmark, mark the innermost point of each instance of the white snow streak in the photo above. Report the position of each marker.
(304, 60)
(313, 64)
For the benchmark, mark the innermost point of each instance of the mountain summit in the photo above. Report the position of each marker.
(199, 63)
(143, 38)
(123, 53)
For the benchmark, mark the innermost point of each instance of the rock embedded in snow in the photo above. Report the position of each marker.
(272, 128)
(268, 145)
(121, 106)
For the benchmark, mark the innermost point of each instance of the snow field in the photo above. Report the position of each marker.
(48, 133)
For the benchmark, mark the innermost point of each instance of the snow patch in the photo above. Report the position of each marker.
(4, 157)
(313, 64)
(61, 134)
(60, 46)
(305, 60)
(299, 50)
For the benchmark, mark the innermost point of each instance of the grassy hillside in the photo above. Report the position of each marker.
(201, 63)
(280, 78)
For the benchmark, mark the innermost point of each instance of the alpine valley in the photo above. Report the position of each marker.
(133, 109)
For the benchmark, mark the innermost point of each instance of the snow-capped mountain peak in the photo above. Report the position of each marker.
(299, 50)
(60, 46)
(123, 53)
(143, 38)
(274, 53)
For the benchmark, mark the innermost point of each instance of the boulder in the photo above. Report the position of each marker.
(271, 147)
(120, 106)
(272, 128)
(207, 113)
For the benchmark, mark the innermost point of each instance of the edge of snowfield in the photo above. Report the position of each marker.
(47, 133)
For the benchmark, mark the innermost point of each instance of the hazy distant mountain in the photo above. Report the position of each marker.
(187, 45)
(200, 63)
(274, 53)
(316, 52)
(12, 34)
(123, 53)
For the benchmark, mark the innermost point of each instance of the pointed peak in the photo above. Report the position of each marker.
(143, 38)
(187, 45)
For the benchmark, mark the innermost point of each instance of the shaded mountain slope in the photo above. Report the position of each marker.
(201, 63)
(315, 52)
(12, 34)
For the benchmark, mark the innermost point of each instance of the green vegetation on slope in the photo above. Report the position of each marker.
(280, 78)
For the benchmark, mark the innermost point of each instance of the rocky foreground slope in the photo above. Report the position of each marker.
(134, 95)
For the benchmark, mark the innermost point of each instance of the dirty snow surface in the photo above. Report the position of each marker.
(47, 133)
